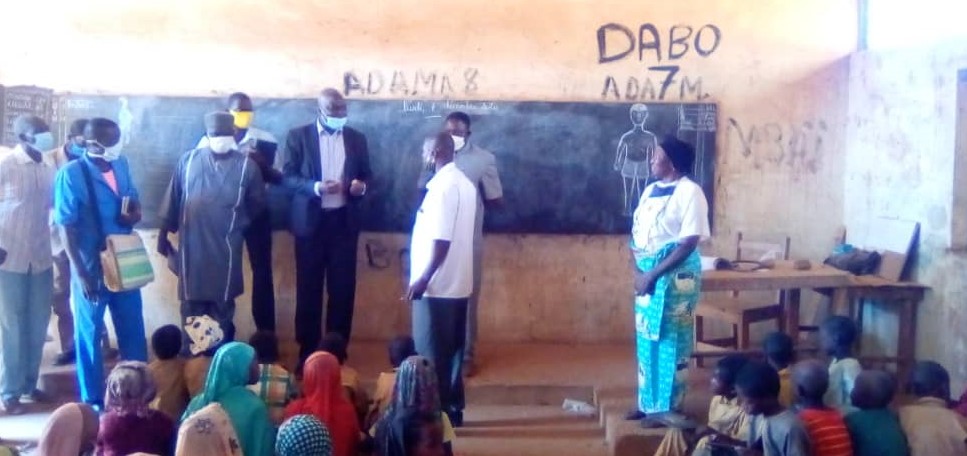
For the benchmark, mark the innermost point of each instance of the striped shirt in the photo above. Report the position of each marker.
(827, 431)
(26, 198)
(276, 388)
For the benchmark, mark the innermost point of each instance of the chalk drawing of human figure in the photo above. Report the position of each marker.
(634, 156)
(125, 121)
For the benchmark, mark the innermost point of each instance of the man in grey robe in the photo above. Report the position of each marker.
(214, 193)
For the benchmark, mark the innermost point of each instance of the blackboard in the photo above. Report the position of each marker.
(22, 100)
(556, 159)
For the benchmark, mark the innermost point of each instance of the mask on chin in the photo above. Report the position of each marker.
(222, 144)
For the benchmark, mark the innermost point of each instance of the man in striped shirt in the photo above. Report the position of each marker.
(26, 278)
(826, 427)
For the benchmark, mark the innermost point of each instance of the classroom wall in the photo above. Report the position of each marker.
(903, 163)
(777, 69)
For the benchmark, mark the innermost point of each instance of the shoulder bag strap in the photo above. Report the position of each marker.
(89, 182)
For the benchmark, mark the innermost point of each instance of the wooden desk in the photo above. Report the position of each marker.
(783, 277)
(906, 296)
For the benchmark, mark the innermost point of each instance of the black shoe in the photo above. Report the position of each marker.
(66, 358)
(456, 418)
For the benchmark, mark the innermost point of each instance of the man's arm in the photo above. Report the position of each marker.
(67, 217)
(255, 198)
(440, 250)
(292, 164)
(171, 209)
(491, 187)
(357, 188)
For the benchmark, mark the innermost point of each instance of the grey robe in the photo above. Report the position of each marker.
(210, 203)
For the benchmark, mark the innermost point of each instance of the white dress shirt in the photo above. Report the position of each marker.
(26, 198)
(332, 157)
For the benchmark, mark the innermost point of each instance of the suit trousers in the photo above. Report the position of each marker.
(439, 330)
(258, 242)
(325, 259)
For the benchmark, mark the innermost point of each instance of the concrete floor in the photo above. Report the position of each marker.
(514, 403)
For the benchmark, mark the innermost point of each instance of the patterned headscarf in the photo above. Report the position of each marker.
(205, 333)
(208, 433)
(303, 435)
(416, 389)
(130, 388)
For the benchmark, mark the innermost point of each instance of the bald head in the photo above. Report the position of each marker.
(873, 389)
(438, 149)
(332, 103)
(811, 379)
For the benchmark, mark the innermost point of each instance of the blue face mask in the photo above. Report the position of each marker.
(335, 123)
(43, 141)
(76, 151)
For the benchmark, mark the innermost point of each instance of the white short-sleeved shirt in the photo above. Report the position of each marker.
(447, 214)
(668, 212)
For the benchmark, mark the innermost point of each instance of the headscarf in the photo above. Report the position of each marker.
(303, 435)
(226, 384)
(205, 333)
(71, 428)
(208, 433)
(324, 399)
(415, 395)
(130, 389)
(680, 153)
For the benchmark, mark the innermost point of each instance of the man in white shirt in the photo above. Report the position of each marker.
(26, 275)
(441, 268)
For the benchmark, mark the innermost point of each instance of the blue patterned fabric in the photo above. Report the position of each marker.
(663, 323)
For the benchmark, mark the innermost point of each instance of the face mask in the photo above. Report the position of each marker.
(112, 153)
(458, 142)
(335, 123)
(75, 150)
(222, 144)
(243, 119)
(43, 141)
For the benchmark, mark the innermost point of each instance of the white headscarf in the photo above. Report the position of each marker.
(208, 432)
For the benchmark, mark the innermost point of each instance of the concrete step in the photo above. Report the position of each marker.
(492, 430)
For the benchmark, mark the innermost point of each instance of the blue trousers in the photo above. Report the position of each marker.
(88, 326)
(24, 314)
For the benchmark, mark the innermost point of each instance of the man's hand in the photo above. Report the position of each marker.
(417, 289)
(88, 285)
(645, 283)
(3, 256)
(357, 187)
(133, 216)
(164, 245)
(329, 187)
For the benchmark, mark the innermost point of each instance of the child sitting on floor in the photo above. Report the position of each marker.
(837, 335)
(275, 387)
(825, 426)
(400, 348)
(727, 422)
(335, 344)
(168, 372)
(773, 430)
(874, 429)
(779, 353)
(932, 428)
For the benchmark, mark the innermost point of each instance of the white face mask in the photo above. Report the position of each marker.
(458, 142)
(222, 144)
(112, 153)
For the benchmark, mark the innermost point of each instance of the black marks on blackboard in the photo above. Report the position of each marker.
(796, 145)
(411, 83)
(22, 100)
(616, 42)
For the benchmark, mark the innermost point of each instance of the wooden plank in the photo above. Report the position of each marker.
(782, 277)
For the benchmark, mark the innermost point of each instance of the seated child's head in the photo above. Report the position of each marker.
(400, 348)
(930, 379)
(757, 386)
(873, 389)
(166, 342)
(778, 349)
(837, 335)
(812, 380)
(266, 347)
(726, 370)
(335, 344)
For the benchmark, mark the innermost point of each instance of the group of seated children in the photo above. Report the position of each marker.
(236, 399)
(811, 408)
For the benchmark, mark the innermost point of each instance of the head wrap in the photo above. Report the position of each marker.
(130, 388)
(303, 435)
(208, 432)
(204, 332)
(219, 123)
(680, 153)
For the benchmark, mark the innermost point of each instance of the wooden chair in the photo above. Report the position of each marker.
(741, 311)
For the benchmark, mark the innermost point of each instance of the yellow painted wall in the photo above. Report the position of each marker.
(778, 75)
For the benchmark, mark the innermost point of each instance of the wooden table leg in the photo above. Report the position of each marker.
(906, 350)
(792, 314)
(840, 304)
